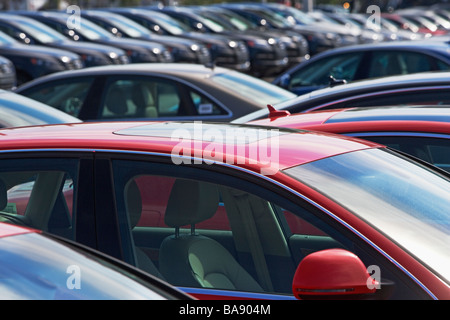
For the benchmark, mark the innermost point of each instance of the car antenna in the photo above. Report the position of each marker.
(334, 82)
(274, 113)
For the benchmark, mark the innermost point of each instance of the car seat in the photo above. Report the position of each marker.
(193, 260)
(133, 202)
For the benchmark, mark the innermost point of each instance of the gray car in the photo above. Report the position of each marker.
(155, 91)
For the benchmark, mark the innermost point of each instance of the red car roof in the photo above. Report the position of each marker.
(294, 147)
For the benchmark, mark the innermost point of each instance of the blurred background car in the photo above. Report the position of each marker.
(32, 32)
(138, 51)
(406, 24)
(268, 55)
(298, 18)
(225, 52)
(182, 50)
(17, 110)
(39, 266)
(367, 61)
(31, 62)
(296, 46)
(427, 88)
(155, 91)
(7, 74)
(318, 40)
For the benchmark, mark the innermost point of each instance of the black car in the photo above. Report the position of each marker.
(297, 48)
(366, 61)
(32, 32)
(138, 51)
(225, 52)
(155, 91)
(183, 50)
(428, 88)
(7, 74)
(318, 40)
(268, 54)
(32, 62)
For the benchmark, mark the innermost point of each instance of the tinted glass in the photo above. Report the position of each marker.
(385, 63)
(342, 66)
(154, 98)
(40, 193)
(432, 150)
(67, 96)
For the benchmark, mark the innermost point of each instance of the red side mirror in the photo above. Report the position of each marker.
(332, 273)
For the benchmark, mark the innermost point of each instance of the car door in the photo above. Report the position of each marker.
(220, 219)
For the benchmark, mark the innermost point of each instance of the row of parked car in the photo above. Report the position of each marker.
(242, 189)
(261, 39)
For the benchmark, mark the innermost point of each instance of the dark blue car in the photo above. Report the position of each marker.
(36, 61)
(364, 62)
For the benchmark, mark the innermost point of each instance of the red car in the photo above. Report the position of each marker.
(368, 229)
(421, 131)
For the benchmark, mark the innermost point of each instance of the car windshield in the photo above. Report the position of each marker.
(41, 32)
(130, 27)
(6, 40)
(252, 88)
(407, 202)
(238, 21)
(93, 32)
(212, 24)
(35, 267)
(171, 25)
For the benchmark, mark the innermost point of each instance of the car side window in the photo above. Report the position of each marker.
(432, 150)
(39, 193)
(412, 96)
(154, 98)
(442, 66)
(204, 106)
(342, 67)
(68, 97)
(385, 63)
(176, 224)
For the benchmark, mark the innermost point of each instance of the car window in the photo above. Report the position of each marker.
(343, 66)
(68, 97)
(410, 96)
(40, 194)
(385, 63)
(201, 233)
(442, 66)
(153, 205)
(432, 150)
(154, 98)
